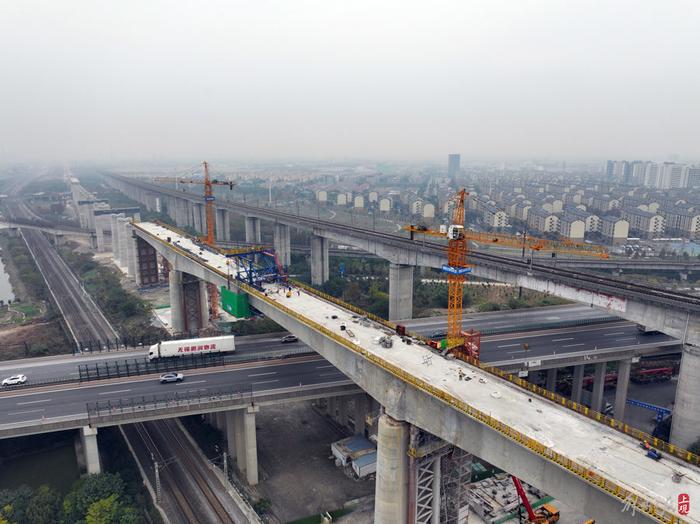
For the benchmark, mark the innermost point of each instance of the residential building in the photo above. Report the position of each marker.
(614, 229)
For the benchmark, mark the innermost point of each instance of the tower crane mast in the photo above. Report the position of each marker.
(210, 238)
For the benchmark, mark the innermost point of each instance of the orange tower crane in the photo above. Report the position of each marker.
(210, 238)
(460, 342)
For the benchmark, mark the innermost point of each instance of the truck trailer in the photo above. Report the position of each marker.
(191, 346)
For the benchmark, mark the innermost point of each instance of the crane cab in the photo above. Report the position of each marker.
(455, 232)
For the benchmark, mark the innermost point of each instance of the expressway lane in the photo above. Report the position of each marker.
(513, 320)
(32, 405)
(566, 340)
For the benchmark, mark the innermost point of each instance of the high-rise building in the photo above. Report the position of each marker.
(453, 161)
(693, 176)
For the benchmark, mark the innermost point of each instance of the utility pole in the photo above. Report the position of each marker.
(226, 466)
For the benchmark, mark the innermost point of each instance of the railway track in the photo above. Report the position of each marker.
(166, 445)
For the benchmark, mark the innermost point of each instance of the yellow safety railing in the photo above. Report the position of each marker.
(586, 473)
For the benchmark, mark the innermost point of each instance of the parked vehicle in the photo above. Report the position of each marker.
(191, 346)
(15, 380)
(166, 378)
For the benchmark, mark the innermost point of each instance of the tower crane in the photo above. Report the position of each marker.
(467, 343)
(210, 238)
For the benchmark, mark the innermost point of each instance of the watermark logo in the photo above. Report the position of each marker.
(683, 504)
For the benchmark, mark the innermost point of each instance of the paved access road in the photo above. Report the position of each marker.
(57, 401)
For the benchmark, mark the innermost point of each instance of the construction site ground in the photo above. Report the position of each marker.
(297, 474)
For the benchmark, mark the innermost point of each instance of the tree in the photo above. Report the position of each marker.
(44, 506)
(14, 503)
(88, 490)
(104, 511)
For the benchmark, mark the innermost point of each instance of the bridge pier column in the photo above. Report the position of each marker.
(331, 406)
(99, 236)
(132, 254)
(343, 410)
(181, 217)
(283, 244)
(391, 489)
(197, 221)
(361, 409)
(203, 305)
(123, 242)
(598, 387)
(246, 444)
(252, 230)
(177, 320)
(685, 427)
(223, 228)
(400, 292)
(577, 384)
(88, 437)
(623, 380)
(115, 236)
(319, 260)
(551, 384)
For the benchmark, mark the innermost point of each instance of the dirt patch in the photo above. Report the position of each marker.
(33, 340)
(297, 475)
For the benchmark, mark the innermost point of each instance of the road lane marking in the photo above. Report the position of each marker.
(574, 345)
(628, 338)
(330, 374)
(33, 402)
(508, 346)
(265, 382)
(24, 412)
(75, 373)
(190, 382)
(114, 392)
(561, 339)
(613, 334)
(325, 367)
(518, 351)
(263, 374)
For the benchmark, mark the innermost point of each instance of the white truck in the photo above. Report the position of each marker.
(191, 346)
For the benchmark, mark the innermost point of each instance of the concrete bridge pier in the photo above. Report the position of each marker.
(245, 443)
(180, 212)
(361, 408)
(685, 428)
(391, 489)
(598, 386)
(176, 301)
(197, 220)
(203, 304)
(99, 236)
(115, 236)
(577, 384)
(320, 272)
(223, 224)
(400, 292)
(132, 254)
(123, 245)
(252, 230)
(88, 438)
(623, 381)
(283, 244)
(551, 384)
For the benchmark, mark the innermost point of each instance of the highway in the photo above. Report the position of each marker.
(541, 343)
(56, 401)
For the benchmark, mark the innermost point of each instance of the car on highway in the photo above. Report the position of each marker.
(165, 378)
(14, 380)
(287, 339)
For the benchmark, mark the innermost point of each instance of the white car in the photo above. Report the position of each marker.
(166, 378)
(14, 380)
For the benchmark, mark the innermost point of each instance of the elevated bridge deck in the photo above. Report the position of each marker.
(603, 456)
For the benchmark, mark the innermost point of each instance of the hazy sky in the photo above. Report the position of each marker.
(332, 79)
